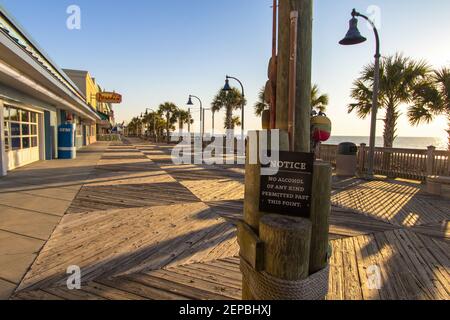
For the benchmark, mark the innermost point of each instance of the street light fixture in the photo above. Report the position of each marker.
(354, 37)
(228, 88)
(202, 124)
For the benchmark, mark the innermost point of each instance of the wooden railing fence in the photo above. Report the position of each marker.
(413, 164)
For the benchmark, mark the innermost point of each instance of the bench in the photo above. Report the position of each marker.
(439, 186)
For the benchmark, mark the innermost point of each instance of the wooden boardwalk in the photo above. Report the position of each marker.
(144, 228)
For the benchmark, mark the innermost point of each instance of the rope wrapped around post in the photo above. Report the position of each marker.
(266, 287)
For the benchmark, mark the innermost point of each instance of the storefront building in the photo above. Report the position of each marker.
(90, 88)
(35, 98)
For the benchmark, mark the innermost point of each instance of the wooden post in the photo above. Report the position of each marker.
(282, 93)
(252, 215)
(293, 37)
(293, 247)
(3, 164)
(320, 215)
(286, 246)
(252, 250)
(430, 160)
(302, 119)
(448, 163)
(362, 158)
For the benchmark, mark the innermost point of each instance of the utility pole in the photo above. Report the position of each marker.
(282, 93)
(288, 246)
(302, 119)
(189, 120)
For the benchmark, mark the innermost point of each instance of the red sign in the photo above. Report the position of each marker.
(109, 97)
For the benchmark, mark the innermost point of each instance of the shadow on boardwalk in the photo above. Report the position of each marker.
(409, 262)
(390, 241)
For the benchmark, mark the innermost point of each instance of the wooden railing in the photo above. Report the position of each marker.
(413, 164)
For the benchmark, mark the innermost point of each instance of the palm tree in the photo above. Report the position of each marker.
(261, 103)
(170, 111)
(230, 101)
(432, 98)
(184, 117)
(318, 101)
(399, 76)
(134, 126)
(154, 122)
(235, 122)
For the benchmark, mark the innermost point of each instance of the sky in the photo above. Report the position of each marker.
(153, 51)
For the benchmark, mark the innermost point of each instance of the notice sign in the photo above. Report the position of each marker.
(289, 191)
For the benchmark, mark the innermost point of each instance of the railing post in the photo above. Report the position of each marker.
(362, 157)
(448, 163)
(430, 160)
(318, 151)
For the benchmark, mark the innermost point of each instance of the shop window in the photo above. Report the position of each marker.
(33, 117)
(15, 143)
(13, 114)
(25, 129)
(25, 143)
(24, 116)
(34, 142)
(6, 130)
(6, 113)
(15, 129)
(79, 129)
(21, 131)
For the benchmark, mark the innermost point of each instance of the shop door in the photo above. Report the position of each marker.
(21, 136)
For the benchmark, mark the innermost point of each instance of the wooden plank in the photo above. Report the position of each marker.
(140, 290)
(37, 295)
(72, 294)
(174, 287)
(364, 263)
(411, 263)
(336, 283)
(251, 247)
(435, 261)
(352, 286)
(110, 293)
(234, 282)
(404, 288)
(209, 286)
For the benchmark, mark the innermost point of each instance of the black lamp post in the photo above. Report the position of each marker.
(354, 37)
(141, 118)
(202, 125)
(227, 88)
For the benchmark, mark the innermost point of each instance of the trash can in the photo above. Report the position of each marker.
(346, 161)
(66, 141)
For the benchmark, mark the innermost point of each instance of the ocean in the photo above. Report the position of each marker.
(400, 142)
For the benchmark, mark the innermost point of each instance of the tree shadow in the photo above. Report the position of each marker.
(186, 248)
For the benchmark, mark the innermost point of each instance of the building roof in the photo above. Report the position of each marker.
(19, 36)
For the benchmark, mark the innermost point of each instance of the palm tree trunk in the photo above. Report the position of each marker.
(229, 118)
(448, 132)
(390, 129)
(390, 126)
(168, 128)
